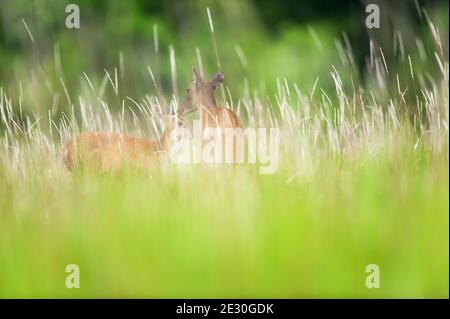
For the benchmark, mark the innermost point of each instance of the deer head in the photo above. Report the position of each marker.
(172, 122)
(200, 92)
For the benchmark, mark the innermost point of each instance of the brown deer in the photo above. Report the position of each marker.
(200, 96)
(213, 118)
(109, 152)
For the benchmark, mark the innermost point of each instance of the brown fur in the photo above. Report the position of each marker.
(106, 151)
(200, 96)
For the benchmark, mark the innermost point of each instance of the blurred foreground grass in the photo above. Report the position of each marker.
(231, 233)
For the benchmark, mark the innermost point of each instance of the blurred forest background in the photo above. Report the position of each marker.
(258, 43)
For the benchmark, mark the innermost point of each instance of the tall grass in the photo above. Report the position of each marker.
(363, 179)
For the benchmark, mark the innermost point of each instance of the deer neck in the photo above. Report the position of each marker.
(206, 107)
(207, 100)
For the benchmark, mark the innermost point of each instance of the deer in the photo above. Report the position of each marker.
(110, 152)
(200, 96)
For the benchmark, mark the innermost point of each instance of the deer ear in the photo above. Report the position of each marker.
(217, 79)
(197, 76)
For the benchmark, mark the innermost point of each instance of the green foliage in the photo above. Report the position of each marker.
(255, 46)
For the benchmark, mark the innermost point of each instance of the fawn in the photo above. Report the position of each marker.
(107, 151)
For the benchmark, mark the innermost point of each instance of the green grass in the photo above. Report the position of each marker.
(206, 232)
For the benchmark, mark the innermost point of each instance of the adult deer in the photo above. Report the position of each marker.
(107, 151)
(213, 118)
(200, 95)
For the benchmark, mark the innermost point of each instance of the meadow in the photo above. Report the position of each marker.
(363, 179)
